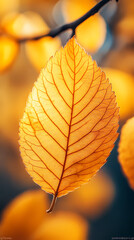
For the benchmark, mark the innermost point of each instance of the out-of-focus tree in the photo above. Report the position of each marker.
(25, 218)
(92, 199)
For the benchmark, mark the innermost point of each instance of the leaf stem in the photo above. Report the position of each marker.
(52, 204)
(72, 25)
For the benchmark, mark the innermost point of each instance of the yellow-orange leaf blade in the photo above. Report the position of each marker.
(70, 122)
(126, 151)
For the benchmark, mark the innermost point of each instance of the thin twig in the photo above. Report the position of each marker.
(72, 25)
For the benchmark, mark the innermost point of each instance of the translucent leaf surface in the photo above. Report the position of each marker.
(70, 122)
(126, 151)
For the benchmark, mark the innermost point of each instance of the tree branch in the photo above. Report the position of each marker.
(72, 25)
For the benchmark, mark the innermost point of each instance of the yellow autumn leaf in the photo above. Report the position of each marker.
(70, 122)
(123, 85)
(24, 25)
(41, 50)
(92, 32)
(126, 151)
(8, 52)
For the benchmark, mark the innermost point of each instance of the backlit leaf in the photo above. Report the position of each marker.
(70, 122)
(92, 32)
(126, 151)
(8, 52)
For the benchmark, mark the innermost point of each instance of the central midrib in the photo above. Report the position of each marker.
(68, 138)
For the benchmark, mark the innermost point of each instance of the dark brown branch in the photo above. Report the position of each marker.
(72, 25)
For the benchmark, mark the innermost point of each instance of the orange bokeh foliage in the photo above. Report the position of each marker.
(91, 33)
(23, 215)
(123, 85)
(127, 9)
(126, 151)
(62, 226)
(70, 122)
(125, 28)
(23, 25)
(7, 6)
(41, 50)
(25, 218)
(29, 25)
(91, 199)
(8, 52)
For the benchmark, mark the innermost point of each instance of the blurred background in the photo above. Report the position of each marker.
(104, 208)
